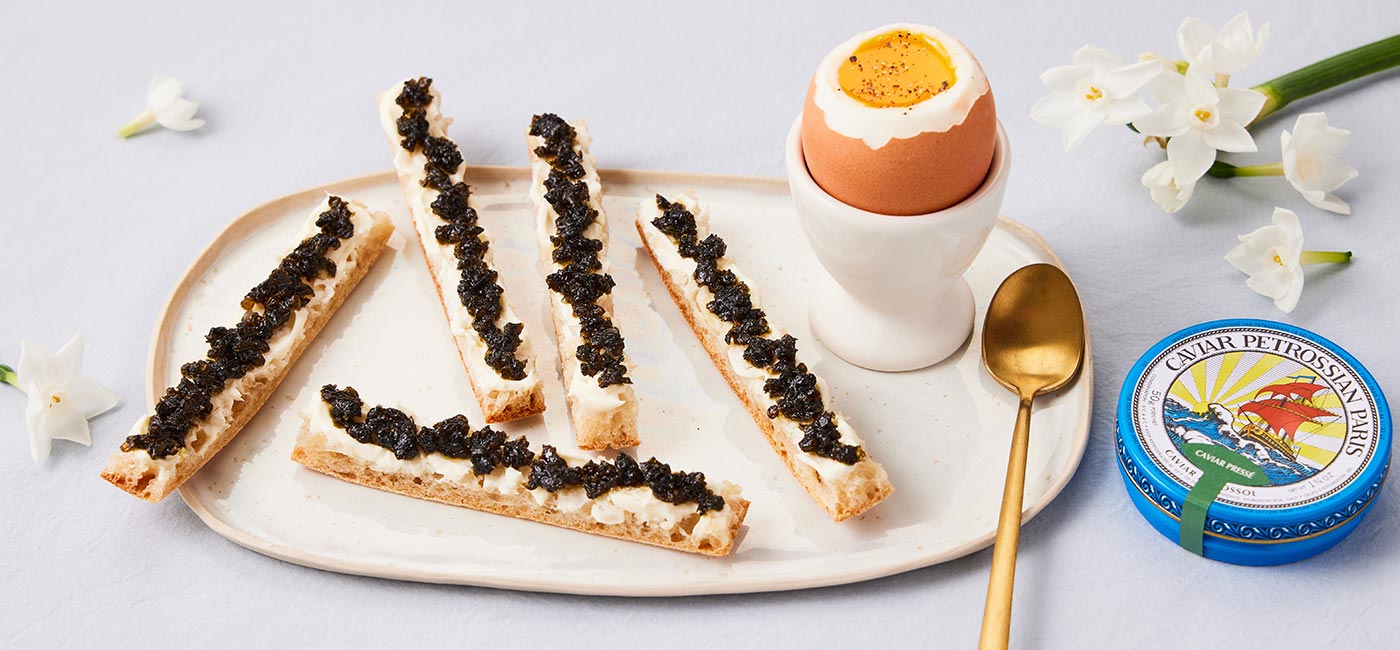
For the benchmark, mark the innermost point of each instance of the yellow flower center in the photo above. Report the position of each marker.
(1203, 114)
(56, 399)
(1278, 260)
(1094, 94)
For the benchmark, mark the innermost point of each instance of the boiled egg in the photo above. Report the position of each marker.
(899, 121)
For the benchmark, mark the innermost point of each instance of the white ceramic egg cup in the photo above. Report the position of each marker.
(899, 300)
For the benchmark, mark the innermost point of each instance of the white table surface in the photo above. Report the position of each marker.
(95, 231)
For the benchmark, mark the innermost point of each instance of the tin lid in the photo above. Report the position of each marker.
(1292, 427)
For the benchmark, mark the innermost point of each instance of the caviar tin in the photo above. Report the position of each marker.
(1252, 442)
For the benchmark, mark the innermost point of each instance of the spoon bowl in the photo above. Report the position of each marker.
(1033, 338)
(1033, 344)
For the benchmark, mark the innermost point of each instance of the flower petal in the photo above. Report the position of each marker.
(1127, 80)
(1247, 259)
(1193, 36)
(64, 423)
(177, 116)
(34, 414)
(1237, 47)
(1168, 88)
(34, 363)
(1055, 110)
(1272, 283)
(1199, 84)
(1165, 192)
(1189, 155)
(1289, 299)
(89, 397)
(1096, 57)
(1261, 38)
(1336, 174)
(1164, 121)
(1290, 231)
(1079, 126)
(1240, 104)
(163, 92)
(1326, 201)
(1309, 124)
(1063, 79)
(1332, 140)
(1122, 111)
(67, 364)
(1228, 135)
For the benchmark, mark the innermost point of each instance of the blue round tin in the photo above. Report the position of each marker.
(1252, 442)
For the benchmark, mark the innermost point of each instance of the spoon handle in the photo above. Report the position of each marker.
(996, 616)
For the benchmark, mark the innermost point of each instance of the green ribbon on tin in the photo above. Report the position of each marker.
(1219, 467)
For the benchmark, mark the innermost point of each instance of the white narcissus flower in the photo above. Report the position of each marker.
(1310, 161)
(1273, 258)
(1167, 191)
(61, 397)
(1229, 50)
(165, 105)
(1098, 88)
(1199, 119)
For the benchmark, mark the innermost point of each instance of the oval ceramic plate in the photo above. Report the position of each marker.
(942, 432)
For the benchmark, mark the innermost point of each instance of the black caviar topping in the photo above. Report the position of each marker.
(823, 439)
(442, 153)
(580, 280)
(489, 450)
(415, 94)
(389, 428)
(435, 178)
(413, 124)
(794, 390)
(558, 147)
(396, 431)
(553, 473)
(477, 289)
(233, 351)
(345, 405)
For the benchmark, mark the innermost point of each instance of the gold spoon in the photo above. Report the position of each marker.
(1033, 344)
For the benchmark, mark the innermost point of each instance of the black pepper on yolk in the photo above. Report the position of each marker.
(895, 70)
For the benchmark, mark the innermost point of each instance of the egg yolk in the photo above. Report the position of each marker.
(895, 70)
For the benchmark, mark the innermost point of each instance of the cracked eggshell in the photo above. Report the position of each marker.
(900, 161)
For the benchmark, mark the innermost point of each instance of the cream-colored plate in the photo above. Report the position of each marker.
(942, 433)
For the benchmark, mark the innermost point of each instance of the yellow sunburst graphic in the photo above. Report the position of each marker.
(1233, 378)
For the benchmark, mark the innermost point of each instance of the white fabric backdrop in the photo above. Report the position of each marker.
(94, 232)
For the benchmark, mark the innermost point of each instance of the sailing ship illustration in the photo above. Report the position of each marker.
(1274, 415)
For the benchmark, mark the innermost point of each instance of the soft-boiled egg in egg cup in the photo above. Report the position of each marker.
(899, 120)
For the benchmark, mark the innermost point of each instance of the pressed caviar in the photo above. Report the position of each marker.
(489, 450)
(234, 351)
(396, 431)
(477, 289)
(579, 280)
(793, 389)
(553, 473)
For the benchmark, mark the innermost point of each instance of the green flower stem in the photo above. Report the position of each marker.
(7, 375)
(1348, 66)
(1325, 257)
(1226, 170)
(137, 125)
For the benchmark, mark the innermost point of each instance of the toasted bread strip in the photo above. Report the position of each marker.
(152, 479)
(604, 417)
(329, 450)
(500, 399)
(844, 491)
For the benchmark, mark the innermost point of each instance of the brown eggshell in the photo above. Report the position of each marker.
(926, 173)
